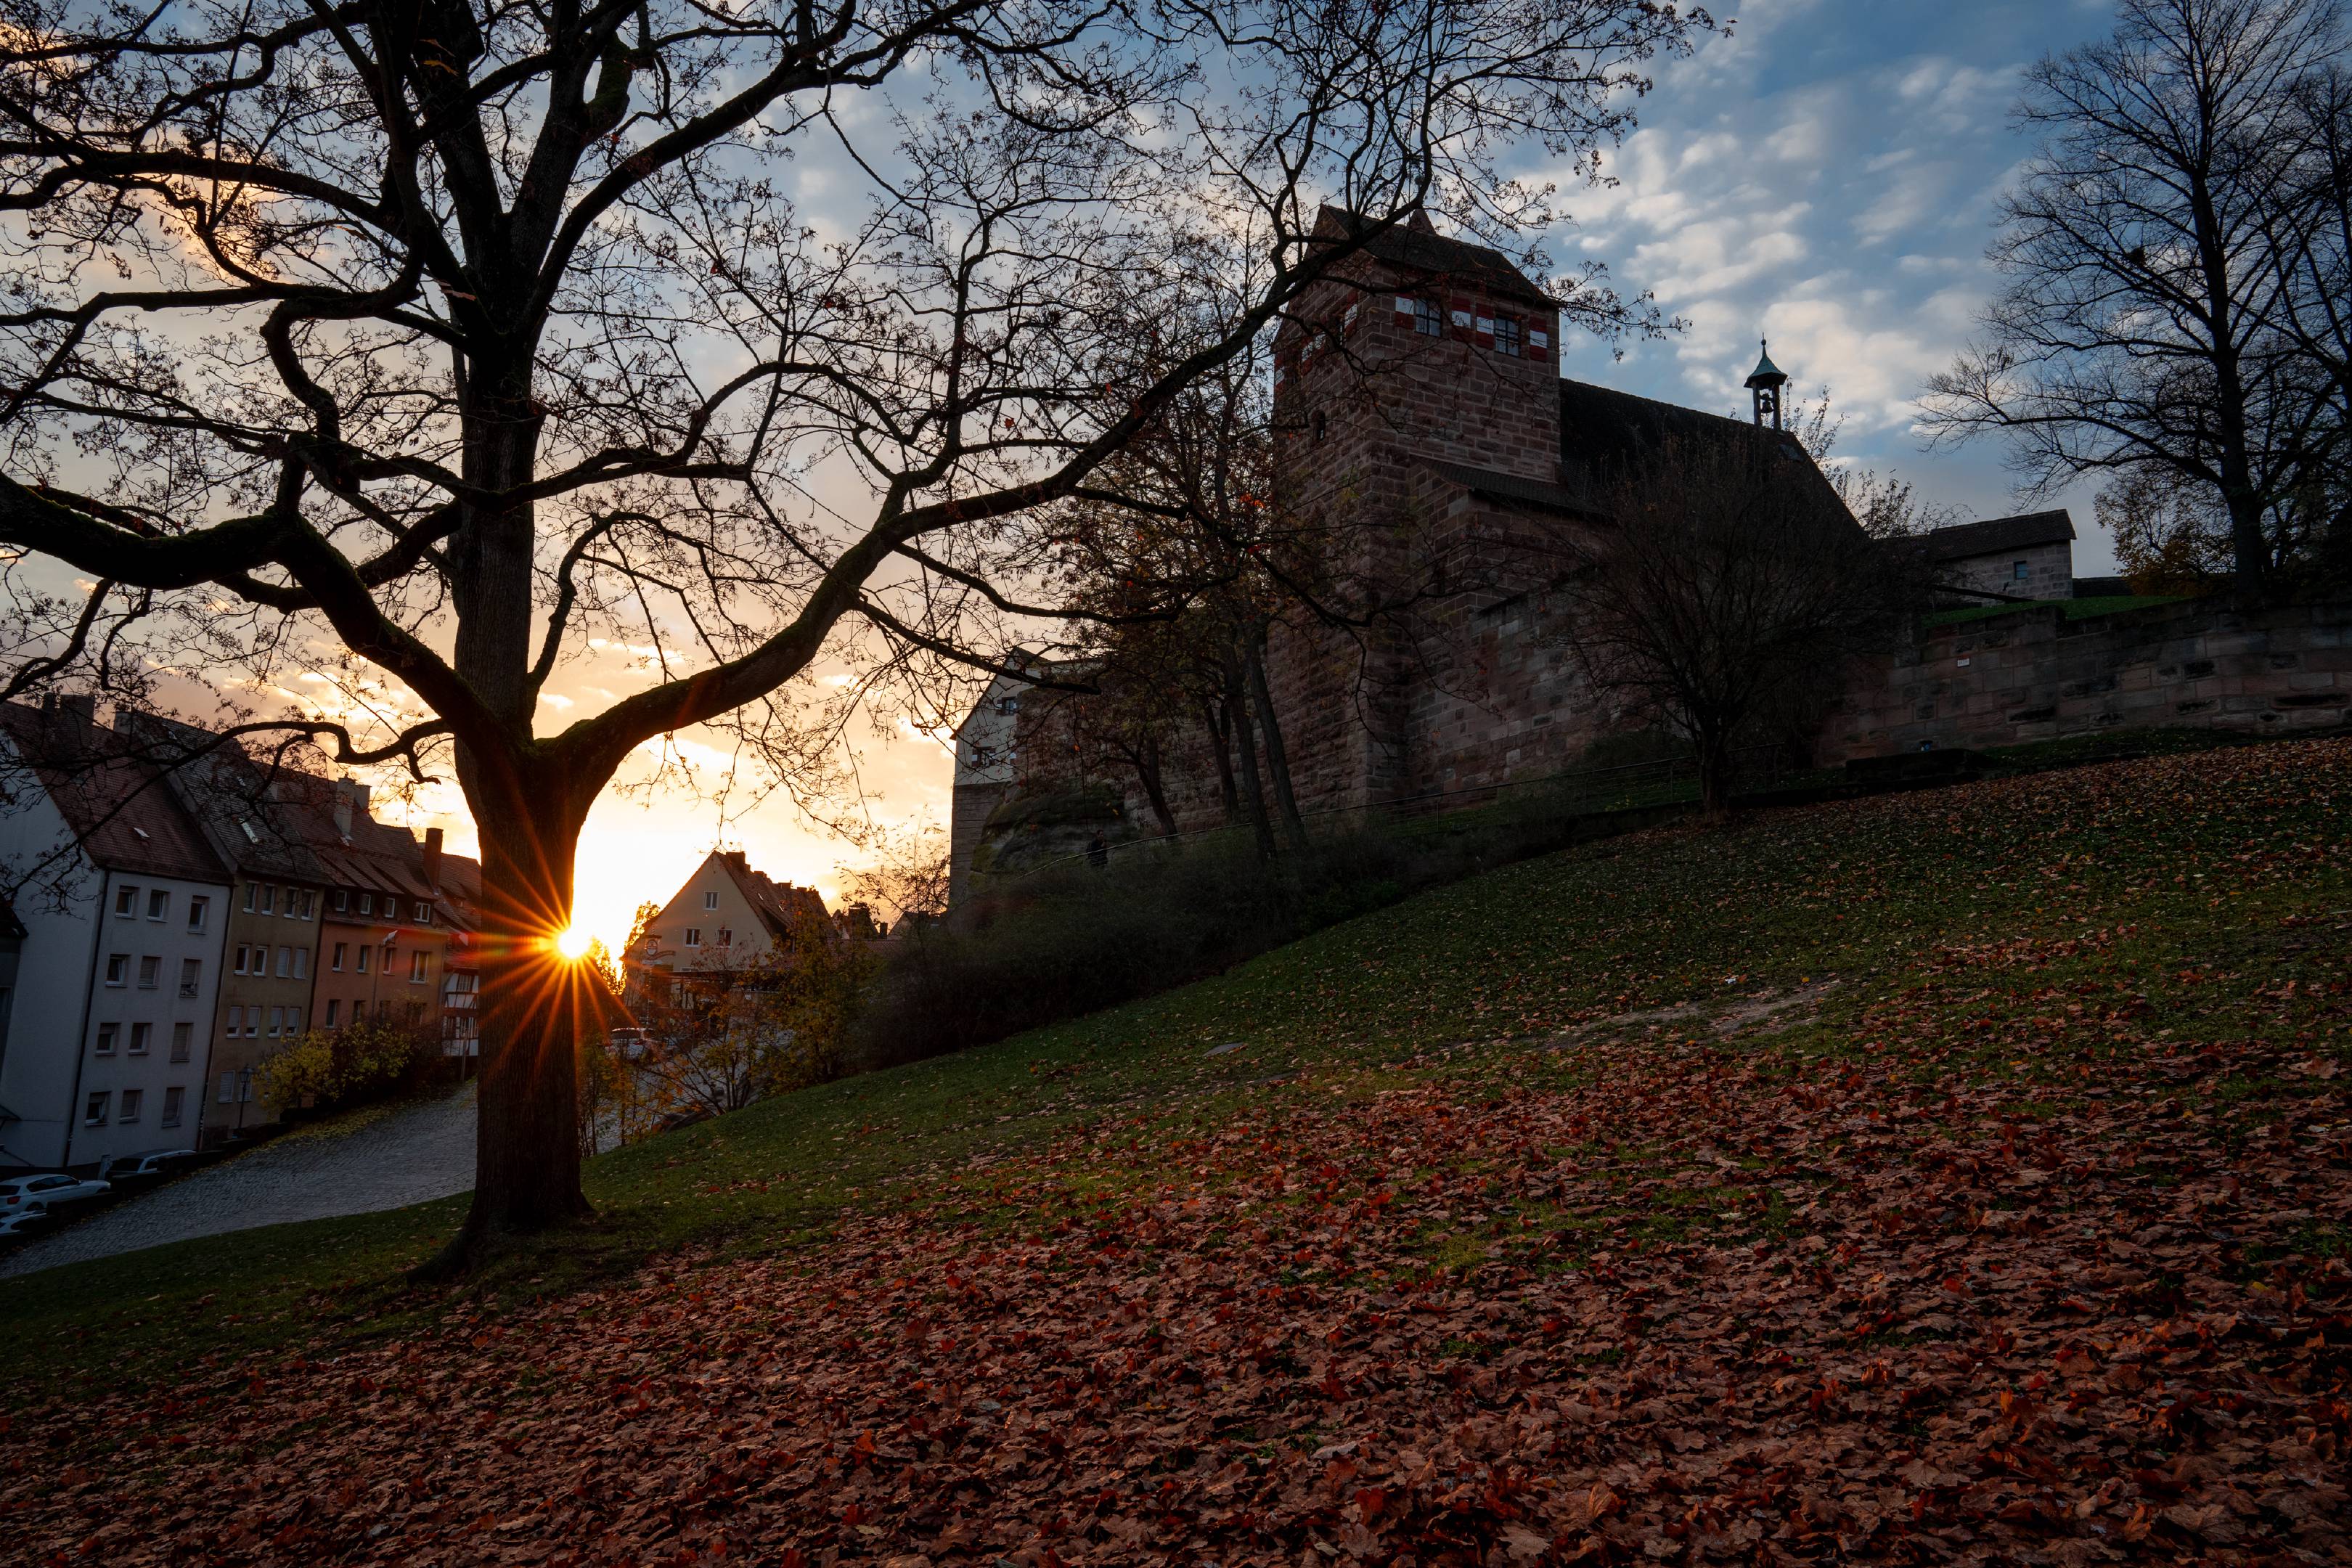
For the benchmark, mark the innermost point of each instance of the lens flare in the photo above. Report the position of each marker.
(572, 943)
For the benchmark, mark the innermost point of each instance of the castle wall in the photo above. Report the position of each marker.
(2035, 676)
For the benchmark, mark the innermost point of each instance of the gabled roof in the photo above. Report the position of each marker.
(1417, 250)
(118, 806)
(779, 905)
(247, 810)
(1995, 536)
(1604, 432)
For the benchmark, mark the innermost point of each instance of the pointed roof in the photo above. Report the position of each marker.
(1415, 248)
(1766, 373)
(779, 905)
(122, 813)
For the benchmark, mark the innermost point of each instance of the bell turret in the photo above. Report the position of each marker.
(1766, 382)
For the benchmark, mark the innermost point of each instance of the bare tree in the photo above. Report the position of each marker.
(420, 343)
(1725, 577)
(2139, 328)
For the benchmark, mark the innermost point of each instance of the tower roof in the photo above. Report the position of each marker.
(1766, 373)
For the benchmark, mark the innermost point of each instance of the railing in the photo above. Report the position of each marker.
(1575, 792)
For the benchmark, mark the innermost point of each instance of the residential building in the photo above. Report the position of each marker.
(123, 910)
(727, 917)
(461, 969)
(255, 819)
(380, 933)
(2004, 558)
(983, 770)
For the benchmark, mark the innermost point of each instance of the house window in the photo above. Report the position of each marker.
(171, 1100)
(1006, 707)
(343, 899)
(228, 1088)
(367, 903)
(694, 936)
(2017, 572)
(336, 964)
(198, 907)
(94, 1112)
(1322, 426)
(126, 901)
(106, 1037)
(422, 913)
(285, 963)
(1506, 336)
(359, 1012)
(302, 963)
(183, 1037)
(362, 958)
(252, 1022)
(268, 900)
(117, 968)
(130, 1099)
(235, 1022)
(293, 1020)
(984, 756)
(277, 1021)
(332, 1008)
(150, 970)
(142, 1036)
(309, 903)
(192, 974)
(710, 900)
(1425, 319)
(251, 894)
(159, 903)
(416, 968)
(725, 936)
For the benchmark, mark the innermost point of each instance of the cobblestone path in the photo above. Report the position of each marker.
(417, 1153)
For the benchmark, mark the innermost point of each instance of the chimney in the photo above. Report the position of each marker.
(351, 805)
(433, 859)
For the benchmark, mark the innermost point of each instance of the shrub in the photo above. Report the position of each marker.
(329, 1069)
(1073, 940)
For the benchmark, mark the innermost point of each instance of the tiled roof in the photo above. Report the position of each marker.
(1603, 432)
(1510, 486)
(1417, 249)
(117, 804)
(779, 904)
(1995, 536)
(246, 809)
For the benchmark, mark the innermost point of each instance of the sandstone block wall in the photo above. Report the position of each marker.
(2035, 676)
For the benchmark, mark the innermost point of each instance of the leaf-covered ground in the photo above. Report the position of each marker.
(1961, 1175)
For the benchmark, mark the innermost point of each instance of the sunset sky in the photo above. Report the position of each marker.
(1825, 175)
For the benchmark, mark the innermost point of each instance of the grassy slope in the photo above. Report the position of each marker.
(2203, 884)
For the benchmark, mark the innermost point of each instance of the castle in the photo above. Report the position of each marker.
(1418, 406)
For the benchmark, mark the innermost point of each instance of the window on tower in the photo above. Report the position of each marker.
(1506, 336)
(1426, 320)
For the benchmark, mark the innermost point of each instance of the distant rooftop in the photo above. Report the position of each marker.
(1995, 534)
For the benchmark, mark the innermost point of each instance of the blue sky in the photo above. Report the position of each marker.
(1826, 176)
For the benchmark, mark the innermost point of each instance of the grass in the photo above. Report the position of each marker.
(2209, 892)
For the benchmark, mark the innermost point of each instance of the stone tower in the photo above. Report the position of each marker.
(1422, 374)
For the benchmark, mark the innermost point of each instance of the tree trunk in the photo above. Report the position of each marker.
(1220, 744)
(1714, 781)
(1147, 768)
(1237, 719)
(527, 1136)
(1277, 759)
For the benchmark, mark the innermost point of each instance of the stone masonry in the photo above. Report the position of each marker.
(2033, 674)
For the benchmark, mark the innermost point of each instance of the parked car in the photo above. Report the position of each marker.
(16, 1225)
(48, 1190)
(144, 1167)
